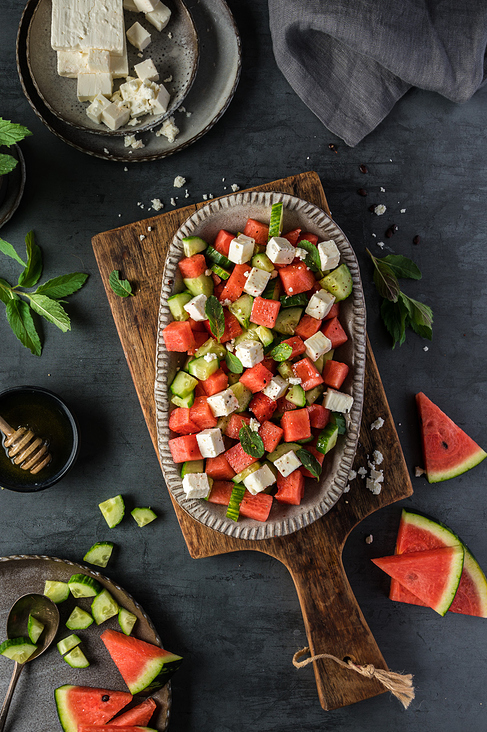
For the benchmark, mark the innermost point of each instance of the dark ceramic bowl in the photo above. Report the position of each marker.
(50, 418)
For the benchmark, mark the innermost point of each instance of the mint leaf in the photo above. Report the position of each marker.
(310, 462)
(420, 316)
(281, 352)
(312, 260)
(30, 276)
(7, 164)
(251, 442)
(402, 266)
(63, 285)
(395, 316)
(21, 321)
(8, 249)
(384, 279)
(214, 313)
(50, 310)
(10, 132)
(6, 292)
(234, 364)
(123, 288)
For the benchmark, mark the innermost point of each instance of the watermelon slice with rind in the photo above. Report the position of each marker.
(113, 728)
(139, 715)
(144, 666)
(78, 705)
(433, 575)
(447, 450)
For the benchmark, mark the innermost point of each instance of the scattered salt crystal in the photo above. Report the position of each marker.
(425, 348)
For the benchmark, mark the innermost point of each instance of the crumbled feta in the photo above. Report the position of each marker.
(300, 253)
(254, 424)
(223, 403)
(209, 357)
(317, 345)
(380, 244)
(256, 282)
(196, 485)
(377, 424)
(259, 480)
(225, 304)
(352, 474)
(425, 348)
(362, 472)
(179, 181)
(382, 190)
(280, 250)
(131, 141)
(380, 209)
(294, 380)
(288, 463)
(235, 187)
(369, 539)
(210, 442)
(168, 129)
(141, 237)
(241, 249)
(173, 201)
(403, 210)
(208, 272)
(418, 472)
(157, 204)
(378, 457)
(196, 310)
(329, 254)
(250, 353)
(374, 482)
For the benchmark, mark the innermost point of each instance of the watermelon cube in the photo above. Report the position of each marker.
(238, 458)
(219, 468)
(256, 378)
(307, 327)
(259, 232)
(201, 414)
(271, 435)
(319, 416)
(222, 242)
(193, 266)
(235, 284)
(290, 489)
(308, 373)
(265, 312)
(296, 278)
(262, 407)
(296, 425)
(334, 331)
(296, 344)
(292, 236)
(184, 448)
(218, 381)
(232, 327)
(256, 507)
(181, 423)
(308, 236)
(335, 373)
(178, 336)
(221, 490)
(234, 425)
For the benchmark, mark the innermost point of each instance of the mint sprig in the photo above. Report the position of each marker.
(281, 352)
(252, 443)
(120, 287)
(214, 313)
(399, 311)
(10, 134)
(233, 363)
(312, 259)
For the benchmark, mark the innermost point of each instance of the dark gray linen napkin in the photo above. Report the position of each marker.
(351, 60)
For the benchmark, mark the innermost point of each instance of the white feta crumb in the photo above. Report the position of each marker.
(418, 472)
(362, 472)
(205, 196)
(186, 193)
(132, 122)
(300, 253)
(168, 129)
(290, 289)
(380, 244)
(157, 204)
(378, 457)
(140, 55)
(225, 304)
(230, 346)
(373, 486)
(209, 357)
(141, 237)
(382, 190)
(173, 202)
(208, 272)
(377, 424)
(425, 348)
(125, 169)
(179, 181)
(347, 488)
(235, 187)
(210, 195)
(390, 160)
(107, 152)
(149, 228)
(369, 539)
(352, 474)
(375, 236)
(254, 424)
(246, 274)
(294, 380)
(119, 216)
(223, 180)
(169, 35)
(403, 210)
(168, 79)
(380, 209)
(182, 109)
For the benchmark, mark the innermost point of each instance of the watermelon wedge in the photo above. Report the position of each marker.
(78, 705)
(418, 533)
(432, 575)
(139, 715)
(113, 728)
(447, 450)
(144, 666)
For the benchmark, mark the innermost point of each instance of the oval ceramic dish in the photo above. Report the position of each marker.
(231, 213)
(174, 50)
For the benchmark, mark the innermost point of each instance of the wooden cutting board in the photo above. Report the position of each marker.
(333, 620)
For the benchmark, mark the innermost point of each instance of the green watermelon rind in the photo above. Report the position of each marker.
(451, 588)
(155, 674)
(66, 718)
(479, 579)
(434, 527)
(467, 464)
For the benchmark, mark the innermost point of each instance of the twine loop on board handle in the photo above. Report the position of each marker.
(401, 685)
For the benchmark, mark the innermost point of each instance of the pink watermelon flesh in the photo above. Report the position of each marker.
(432, 575)
(144, 666)
(113, 728)
(140, 715)
(78, 705)
(447, 450)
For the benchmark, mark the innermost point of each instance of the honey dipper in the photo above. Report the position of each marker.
(25, 449)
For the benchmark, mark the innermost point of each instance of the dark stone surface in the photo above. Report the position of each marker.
(236, 618)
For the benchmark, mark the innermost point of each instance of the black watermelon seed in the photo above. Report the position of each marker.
(105, 698)
(363, 169)
(416, 239)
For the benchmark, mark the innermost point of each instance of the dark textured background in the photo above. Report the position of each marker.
(236, 618)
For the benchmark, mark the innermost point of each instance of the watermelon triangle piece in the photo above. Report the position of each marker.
(77, 705)
(447, 450)
(139, 715)
(433, 575)
(113, 728)
(144, 666)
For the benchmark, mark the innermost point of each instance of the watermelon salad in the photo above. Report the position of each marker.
(262, 395)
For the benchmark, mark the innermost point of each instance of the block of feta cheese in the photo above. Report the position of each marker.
(130, 6)
(119, 65)
(196, 307)
(98, 61)
(90, 85)
(317, 345)
(223, 403)
(138, 36)
(241, 249)
(337, 401)
(320, 304)
(78, 25)
(276, 388)
(329, 254)
(95, 109)
(71, 63)
(146, 70)
(250, 353)
(159, 17)
(210, 442)
(256, 282)
(145, 6)
(259, 480)
(288, 463)
(196, 485)
(115, 115)
(280, 250)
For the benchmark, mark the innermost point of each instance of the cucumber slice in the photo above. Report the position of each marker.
(126, 620)
(76, 658)
(265, 335)
(176, 305)
(286, 370)
(233, 378)
(104, 607)
(56, 591)
(327, 438)
(18, 649)
(320, 362)
(34, 628)
(202, 369)
(184, 402)
(193, 245)
(211, 346)
(183, 384)
(293, 301)
(282, 449)
(220, 272)
(112, 510)
(68, 643)
(272, 290)
(99, 554)
(262, 261)
(287, 320)
(79, 619)
(143, 516)
(214, 256)
(314, 394)
(275, 222)
(81, 585)
(242, 308)
(296, 395)
(233, 509)
(340, 421)
(240, 477)
(201, 285)
(243, 395)
(339, 282)
(192, 466)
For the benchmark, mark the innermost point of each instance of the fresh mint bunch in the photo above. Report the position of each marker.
(10, 134)
(45, 300)
(399, 311)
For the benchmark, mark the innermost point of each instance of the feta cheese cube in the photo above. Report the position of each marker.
(71, 63)
(259, 480)
(329, 254)
(223, 403)
(288, 463)
(130, 6)
(196, 485)
(280, 250)
(98, 61)
(210, 442)
(250, 353)
(119, 65)
(146, 70)
(159, 17)
(145, 6)
(90, 85)
(241, 249)
(276, 388)
(317, 345)
(138, 36)
(337, 401)
(161, 99)
(115, 115)
(256, 282)
(95, 110)
(320, 304)
(196, 307)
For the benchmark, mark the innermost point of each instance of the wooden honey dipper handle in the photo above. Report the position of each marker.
(27, 451)
(5, 427)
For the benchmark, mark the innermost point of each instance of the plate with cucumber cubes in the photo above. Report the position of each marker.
(260, 364)
(89, 605)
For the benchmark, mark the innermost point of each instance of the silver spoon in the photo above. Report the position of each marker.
(44, 610)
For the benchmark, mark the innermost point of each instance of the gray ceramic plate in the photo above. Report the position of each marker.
(231, 213)
(21, 574)
(11, 185)
(174, 50)
(216, 81)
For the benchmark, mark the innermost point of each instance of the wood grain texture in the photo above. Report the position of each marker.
(333, 620)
